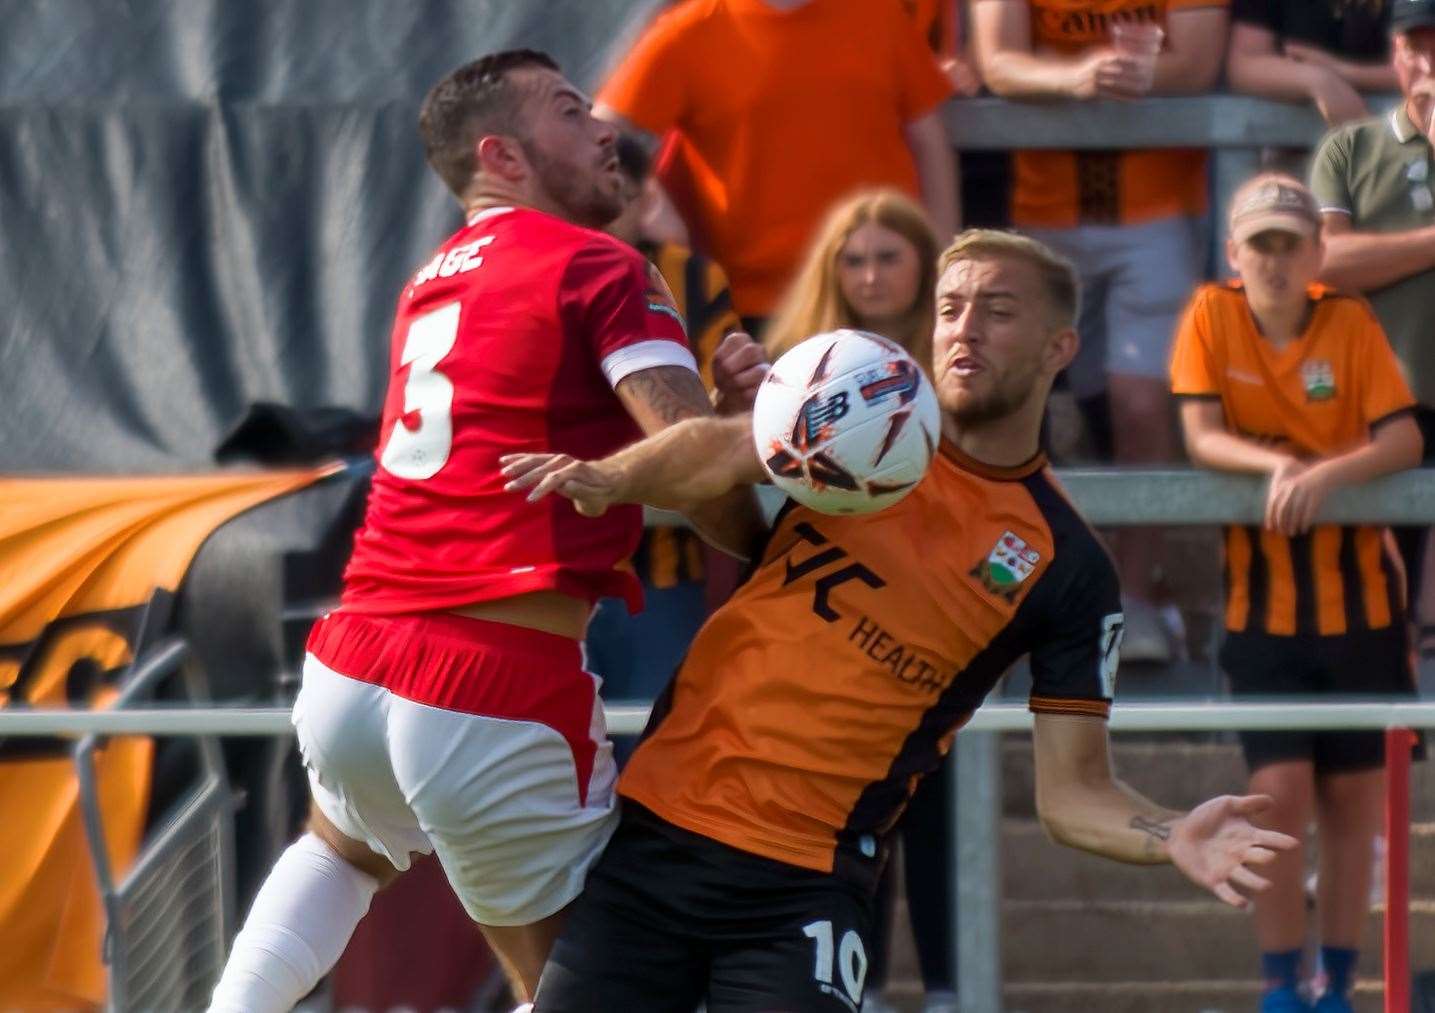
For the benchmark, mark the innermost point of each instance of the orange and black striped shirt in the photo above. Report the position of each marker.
(812, 702)
(1323, 394)
(667, 557)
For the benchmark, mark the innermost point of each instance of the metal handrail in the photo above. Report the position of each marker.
(1216, 120)
(628, 718)
(1189, 496)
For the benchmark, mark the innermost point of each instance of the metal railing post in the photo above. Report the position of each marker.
(976, 912)
(1230, 167)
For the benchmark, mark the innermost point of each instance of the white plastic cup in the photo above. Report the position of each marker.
(1140, 40)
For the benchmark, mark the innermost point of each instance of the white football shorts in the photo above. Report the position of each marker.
(514, 791)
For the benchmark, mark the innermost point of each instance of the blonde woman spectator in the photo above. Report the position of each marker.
(1323, 51)
(872, 266)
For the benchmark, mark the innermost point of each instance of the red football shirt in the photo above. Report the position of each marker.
(510, 339)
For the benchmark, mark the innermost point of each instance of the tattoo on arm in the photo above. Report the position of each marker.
(1160, 831)
(1156, 831)
(662, 395)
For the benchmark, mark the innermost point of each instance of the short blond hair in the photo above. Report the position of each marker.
(1059, 279)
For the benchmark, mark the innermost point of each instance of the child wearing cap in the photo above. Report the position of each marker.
(1280, 376)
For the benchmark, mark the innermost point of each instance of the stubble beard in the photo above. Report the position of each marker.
(580, 196)
(1004, 399)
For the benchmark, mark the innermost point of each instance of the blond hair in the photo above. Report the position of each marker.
(1059, 279)
(814, 303)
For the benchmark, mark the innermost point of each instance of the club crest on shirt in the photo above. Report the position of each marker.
(1318, 376)
(1007, 566)
(660, 298)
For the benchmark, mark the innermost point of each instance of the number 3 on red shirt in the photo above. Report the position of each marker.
(420, 453)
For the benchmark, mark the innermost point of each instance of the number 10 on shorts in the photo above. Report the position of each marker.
(850, 959)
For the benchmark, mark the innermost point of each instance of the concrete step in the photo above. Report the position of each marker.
(1163, 996)
(1185, 941)
(1173, 772)
(1036, 868)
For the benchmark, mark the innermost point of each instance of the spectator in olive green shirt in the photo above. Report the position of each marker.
(1373, 179)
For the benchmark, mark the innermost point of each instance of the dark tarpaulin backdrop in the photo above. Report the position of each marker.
(206, 205)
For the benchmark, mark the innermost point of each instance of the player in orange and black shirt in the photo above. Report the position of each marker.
(1283, 376)
(757, 805)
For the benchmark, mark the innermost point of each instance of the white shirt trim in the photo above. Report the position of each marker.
(1333, 210)
(1400, 135)
(645, 355)
(487, 213)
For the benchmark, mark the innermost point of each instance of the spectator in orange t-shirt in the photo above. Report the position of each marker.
(785, 107)
(1131, 219)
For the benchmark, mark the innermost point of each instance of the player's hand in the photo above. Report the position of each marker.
(1296, 493)
(1278, 491)
(962, 76)
(1107, 73)
(592, 487)
(1215, 846)
(1334, 97)
(739, 366)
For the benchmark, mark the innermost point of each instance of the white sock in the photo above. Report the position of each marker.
(297, 929)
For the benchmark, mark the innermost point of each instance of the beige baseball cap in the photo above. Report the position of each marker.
(1273, 201)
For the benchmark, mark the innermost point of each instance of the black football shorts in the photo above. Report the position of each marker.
(670, 919)
(1362, 664)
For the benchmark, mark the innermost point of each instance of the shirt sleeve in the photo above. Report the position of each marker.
(1073, 665)
(921, 83)
(648, 87)
(1330, 173)
(1384, 393)
(1193, 374)
(620, 306)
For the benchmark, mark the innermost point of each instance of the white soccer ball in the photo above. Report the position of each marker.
(846, 422)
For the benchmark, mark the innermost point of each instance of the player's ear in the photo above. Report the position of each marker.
(1061, 349)
(1231, 248)
(502, 156)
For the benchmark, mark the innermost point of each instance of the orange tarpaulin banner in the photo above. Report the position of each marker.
(81, 560)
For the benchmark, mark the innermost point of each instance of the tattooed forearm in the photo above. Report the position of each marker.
(658, 397)
(1156, 831)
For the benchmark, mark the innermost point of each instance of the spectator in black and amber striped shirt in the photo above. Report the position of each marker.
(1284, 377)
(635, 655)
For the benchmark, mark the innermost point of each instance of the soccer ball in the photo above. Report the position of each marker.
(846, 422)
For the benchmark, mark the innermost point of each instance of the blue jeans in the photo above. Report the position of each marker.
(635, 656)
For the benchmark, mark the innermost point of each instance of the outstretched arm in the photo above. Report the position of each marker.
(1082, 805)
(701, 467)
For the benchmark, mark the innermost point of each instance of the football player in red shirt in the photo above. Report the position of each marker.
(444, 705)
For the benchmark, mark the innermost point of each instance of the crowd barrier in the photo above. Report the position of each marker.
(1235, 127)
(169, 915)
(189, 857)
